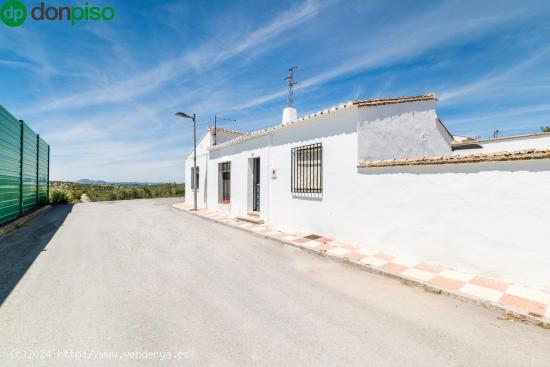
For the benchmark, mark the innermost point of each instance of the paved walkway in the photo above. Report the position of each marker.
(135, 283)
(532, 304)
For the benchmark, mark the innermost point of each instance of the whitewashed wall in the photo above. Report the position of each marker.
(406, 130)
(488, 218)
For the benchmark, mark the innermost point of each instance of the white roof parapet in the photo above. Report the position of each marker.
(357, 103)
(505, 138)
(211, 128)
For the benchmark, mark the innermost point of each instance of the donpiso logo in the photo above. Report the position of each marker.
(14, 13)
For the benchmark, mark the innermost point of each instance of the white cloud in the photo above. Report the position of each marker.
(201, 59)
(505, 114)
(494, 80)
(391, 45)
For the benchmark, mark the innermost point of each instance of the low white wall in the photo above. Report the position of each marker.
(509, 144)
(486, 218)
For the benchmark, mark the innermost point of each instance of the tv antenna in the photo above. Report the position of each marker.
(216, 118)
(291, 84)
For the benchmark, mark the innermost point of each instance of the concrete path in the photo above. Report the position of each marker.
(84, 198)
(141, 283)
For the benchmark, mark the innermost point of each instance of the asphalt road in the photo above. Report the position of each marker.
(105, 280)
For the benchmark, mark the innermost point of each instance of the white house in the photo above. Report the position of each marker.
(387, 174)
(208, 139)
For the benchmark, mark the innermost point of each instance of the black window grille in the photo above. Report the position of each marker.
(225, 182)
(194, 178)
(307, 169)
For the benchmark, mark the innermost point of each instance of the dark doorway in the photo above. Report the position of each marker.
(256, 184)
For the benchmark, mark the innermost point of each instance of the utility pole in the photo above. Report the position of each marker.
(291, 84)
(195, 163)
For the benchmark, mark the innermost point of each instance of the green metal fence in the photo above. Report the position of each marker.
(24, 168)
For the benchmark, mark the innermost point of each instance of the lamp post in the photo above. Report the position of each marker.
(194, 175)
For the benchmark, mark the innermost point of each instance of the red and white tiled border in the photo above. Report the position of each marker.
(528, 304)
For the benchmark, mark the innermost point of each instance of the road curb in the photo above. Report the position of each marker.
(4, 230)
(508, 313)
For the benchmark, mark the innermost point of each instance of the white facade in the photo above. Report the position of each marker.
(459, 215)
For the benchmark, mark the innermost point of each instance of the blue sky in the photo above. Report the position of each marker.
(103, 94)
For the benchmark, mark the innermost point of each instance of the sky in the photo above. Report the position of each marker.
(103, 94)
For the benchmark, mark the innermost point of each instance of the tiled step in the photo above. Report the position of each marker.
(251, 219)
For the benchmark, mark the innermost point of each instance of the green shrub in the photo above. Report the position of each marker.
(104, 192)
(59, 196)
(75, 196)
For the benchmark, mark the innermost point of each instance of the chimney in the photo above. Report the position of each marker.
(289, 114)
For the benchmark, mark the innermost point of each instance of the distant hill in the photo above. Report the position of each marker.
(85, 181)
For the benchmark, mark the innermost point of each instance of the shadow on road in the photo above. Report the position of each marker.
(20, 248)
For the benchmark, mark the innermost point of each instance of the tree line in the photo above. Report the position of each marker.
(71, 192)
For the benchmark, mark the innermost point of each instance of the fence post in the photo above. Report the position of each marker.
(37, 165)
(21, 168)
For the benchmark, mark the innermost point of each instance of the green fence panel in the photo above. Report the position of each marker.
(29, 168)
(24, 168)
(10, 165)
(43, 170)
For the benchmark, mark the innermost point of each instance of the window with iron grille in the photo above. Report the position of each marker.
(307, 169)
(224, 183)
(194, 178)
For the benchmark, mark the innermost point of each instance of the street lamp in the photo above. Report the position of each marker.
(194, 175)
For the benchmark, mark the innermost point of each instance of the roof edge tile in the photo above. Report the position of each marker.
(456, 159)
(358, 103)
(384, 101)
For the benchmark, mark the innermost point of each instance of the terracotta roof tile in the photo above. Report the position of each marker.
(383, 101)
(466, 158)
